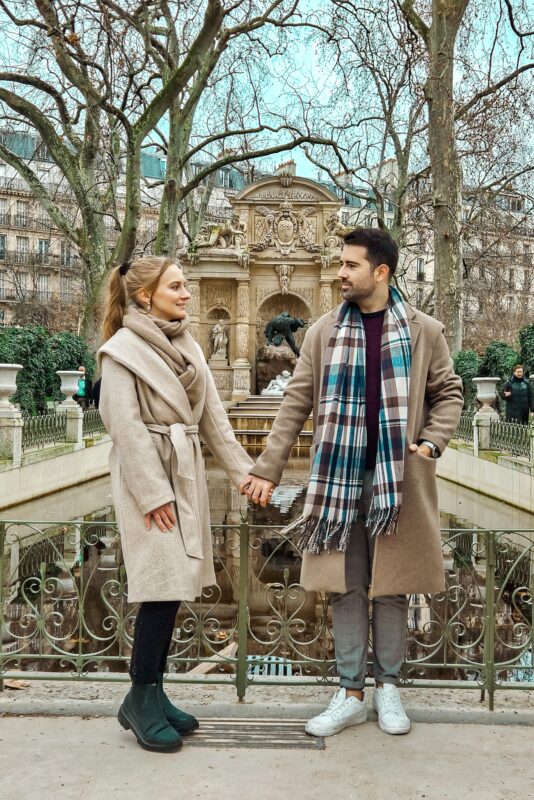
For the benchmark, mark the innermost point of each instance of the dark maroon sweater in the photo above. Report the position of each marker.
(372, 324)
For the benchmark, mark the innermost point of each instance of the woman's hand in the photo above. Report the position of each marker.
(259, 490)
(164, 518)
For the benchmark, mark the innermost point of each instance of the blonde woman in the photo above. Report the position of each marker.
(157, 399)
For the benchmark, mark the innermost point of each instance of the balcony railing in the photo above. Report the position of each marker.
(511, 437)
(465, 426)
(92, 422)
(38, 258)
(64, 611)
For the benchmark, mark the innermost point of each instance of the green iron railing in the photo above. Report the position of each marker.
(64, 612)
(511, 437)
(465, 426)
(43, 429)
(92, 422)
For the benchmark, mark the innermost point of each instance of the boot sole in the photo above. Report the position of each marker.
(153, 748)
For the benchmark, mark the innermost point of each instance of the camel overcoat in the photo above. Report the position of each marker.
(156, 459)
(412, 560)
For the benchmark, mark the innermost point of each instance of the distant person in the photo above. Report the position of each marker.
(518, 396)
(96, 392)
(84, 395)
(157, 398)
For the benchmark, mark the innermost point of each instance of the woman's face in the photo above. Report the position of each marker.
(169, 299)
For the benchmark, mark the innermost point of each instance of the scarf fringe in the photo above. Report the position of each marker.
(316, 535)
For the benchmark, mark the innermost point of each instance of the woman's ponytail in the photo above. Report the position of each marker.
(116, 304)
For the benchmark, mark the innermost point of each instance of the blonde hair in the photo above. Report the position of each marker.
(125, 282)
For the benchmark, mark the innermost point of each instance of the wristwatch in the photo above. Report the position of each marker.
(434, 450)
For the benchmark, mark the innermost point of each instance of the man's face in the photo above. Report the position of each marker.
(82, 370)
(518, 372)
(357, 275)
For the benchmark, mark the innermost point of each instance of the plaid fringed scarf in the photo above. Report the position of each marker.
(337, 472)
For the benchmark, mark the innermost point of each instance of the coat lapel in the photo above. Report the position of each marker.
(130, 350)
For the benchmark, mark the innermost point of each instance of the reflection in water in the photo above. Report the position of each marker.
(49, 573)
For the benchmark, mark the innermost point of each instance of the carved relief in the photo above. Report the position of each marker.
(232, 233)
(285, 229)
(242, 341)
(193, 307)
(325, 298)
(306, 294)
(278, 193)
(242, 380)
(220, 296)
(284, 272)
(194, 330)
(262, 292)
(333, 232)
(243, 301)
(223, 380)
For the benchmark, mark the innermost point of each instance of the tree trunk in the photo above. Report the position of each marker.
(446, 168)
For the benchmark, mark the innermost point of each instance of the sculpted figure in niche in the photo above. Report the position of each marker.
(219, 340)
(282, 327)
(284, 276)
(278, 385)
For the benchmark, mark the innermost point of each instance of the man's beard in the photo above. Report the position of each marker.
(355, 295)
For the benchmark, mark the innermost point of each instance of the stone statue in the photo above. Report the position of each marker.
(231, 234)
(278, 385)
(219, 340)
(284, 272)
(282, 327)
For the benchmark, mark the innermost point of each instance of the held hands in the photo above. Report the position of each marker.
(163, 516)
(422, 449)
(259, 490)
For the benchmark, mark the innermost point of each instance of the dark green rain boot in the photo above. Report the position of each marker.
(182, 722)
(141, 712)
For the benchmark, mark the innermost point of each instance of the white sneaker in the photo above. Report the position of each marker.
(391, 715)
(342, 712)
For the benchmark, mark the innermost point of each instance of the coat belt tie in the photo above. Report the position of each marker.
(186, 446)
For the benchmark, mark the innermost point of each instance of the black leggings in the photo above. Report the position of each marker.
(152, 638)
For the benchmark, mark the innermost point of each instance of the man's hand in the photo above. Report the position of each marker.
(507, 394)
(163, 516)
(422, 449)
(259, 490)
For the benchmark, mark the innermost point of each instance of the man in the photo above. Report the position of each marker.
(84, 395)
(385, 401)
(517, 394)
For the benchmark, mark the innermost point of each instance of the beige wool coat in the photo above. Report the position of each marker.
(156, 459)
(412, 560)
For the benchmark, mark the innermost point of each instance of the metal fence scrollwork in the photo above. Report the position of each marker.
(92, 422)
(64, 611)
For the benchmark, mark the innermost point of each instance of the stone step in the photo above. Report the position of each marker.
(259, 423)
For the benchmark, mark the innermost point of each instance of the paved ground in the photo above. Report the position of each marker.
(91, 758)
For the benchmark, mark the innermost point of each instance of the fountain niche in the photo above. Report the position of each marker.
(272, 359)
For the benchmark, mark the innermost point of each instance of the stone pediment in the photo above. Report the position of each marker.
(278, 189)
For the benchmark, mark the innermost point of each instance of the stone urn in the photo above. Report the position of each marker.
(486, 392)
(69, 384)
(8, 384)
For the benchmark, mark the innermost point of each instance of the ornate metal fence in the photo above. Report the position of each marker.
(64, 611)
(43, 429)
(465, 426)
(92, 422)
(511, 437)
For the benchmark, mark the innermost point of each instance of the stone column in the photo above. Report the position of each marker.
(11, 424)
(74, 426)
(481, 430)
(193, 308)
(241, 365)
(325, 296)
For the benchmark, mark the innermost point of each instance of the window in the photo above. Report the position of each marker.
(65, 288)
(345, 217)
(2, 285)
(3, 244)
(516, 204)
(421, 274)
(20, 283)
(419, 298)
(66, 254)
(43, 286)
(2, 318)
(23, 250)
(389, 222)
(43, 249)
(22, 215)
(4, 216)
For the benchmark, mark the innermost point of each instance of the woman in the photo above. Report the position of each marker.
(157, 396)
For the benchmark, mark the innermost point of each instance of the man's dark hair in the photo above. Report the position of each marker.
(381, 247)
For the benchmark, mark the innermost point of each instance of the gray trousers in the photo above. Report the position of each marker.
(350, 612)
